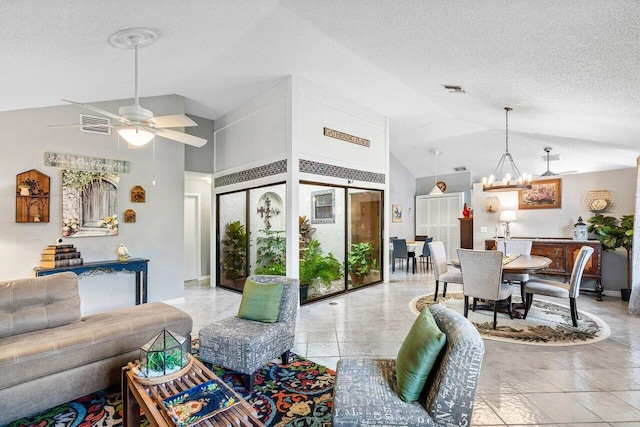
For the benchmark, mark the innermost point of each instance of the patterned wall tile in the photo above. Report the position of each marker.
(274, 168)
(317, 168)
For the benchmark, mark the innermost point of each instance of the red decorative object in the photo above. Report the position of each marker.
(465, 211)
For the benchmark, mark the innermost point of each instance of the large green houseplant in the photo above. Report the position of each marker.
(271, 252)
(234, 247)
(361, 262)
(614, 234)
(316, 267)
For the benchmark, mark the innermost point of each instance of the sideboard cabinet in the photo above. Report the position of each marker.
(562, 253)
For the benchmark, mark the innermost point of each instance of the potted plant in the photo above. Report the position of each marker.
(317, 267)
(234, 246)
(271, 253)
(305, 231)
(614, 234)
(361, 262)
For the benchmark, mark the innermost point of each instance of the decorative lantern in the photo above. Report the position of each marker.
(166, 353)
(580, 230)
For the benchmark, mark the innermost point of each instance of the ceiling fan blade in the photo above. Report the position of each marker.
(98, 110)
(173, 121)
(182, 137)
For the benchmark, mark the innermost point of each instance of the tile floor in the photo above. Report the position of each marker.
(586, 385)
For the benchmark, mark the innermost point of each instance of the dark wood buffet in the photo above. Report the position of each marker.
(562, 253)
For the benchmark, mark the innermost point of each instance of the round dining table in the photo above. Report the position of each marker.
(516, 264)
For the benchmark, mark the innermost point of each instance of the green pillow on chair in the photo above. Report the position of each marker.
(261, 301)
(417, 355)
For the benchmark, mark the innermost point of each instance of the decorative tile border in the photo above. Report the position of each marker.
(274, 168)
(307, 166)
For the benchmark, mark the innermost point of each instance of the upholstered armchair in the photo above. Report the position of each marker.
(246, 345)
(366, 390)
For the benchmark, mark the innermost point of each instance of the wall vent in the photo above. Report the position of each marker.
(94, 124)
(460, 169)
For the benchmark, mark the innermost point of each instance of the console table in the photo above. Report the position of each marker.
(135, 265)
(562, 253)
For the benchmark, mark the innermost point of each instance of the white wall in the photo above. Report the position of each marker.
(158, 232)
(402, 189)
(330, 236)
(459, 182)
(559, 222)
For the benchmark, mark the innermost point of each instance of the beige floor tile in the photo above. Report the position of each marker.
(516, 409)
(483, 415)
(607, 406)
(630, 397)
(561, 408)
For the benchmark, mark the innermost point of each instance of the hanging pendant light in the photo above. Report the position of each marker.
(507, 180)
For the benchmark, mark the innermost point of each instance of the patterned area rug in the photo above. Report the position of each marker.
(298, 394)
(547, 323)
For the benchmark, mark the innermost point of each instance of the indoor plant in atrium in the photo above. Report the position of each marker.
(315, 267)
(361, 262)
(234, 247)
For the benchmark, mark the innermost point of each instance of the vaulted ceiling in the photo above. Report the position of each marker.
(569, 68)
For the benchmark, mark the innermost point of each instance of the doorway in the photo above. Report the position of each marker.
(192, 239)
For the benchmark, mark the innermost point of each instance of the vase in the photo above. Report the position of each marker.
(113, 231)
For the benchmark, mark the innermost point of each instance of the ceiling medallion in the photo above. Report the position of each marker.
(502, 180)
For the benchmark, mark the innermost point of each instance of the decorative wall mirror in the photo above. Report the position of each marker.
(89, 203)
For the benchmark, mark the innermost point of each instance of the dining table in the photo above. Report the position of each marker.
(516, 264)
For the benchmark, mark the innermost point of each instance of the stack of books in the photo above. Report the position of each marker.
(54, 256)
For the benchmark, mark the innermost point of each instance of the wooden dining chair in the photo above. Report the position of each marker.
(553, 288)
(482, 279)
(440, 269)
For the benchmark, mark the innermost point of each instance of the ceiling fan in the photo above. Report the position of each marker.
(548, 172)
(138, 125)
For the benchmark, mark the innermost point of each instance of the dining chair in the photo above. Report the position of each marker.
(552, 288)
(400, 252)
(425, 257)
(482, 279)
(520, 247)
(440, 269)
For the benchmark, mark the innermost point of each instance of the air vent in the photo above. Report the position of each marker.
(454, 88)
(460, 169)
(94, 124)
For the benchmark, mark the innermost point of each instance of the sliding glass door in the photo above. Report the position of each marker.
(365, 237)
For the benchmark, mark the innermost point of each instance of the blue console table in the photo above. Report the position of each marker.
(136, 265)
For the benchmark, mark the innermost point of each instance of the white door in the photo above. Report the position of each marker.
(191, 237)
(437, 217)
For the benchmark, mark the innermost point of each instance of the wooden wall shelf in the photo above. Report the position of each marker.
(32, 197)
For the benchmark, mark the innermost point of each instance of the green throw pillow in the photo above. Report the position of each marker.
(261, 301)
(417, 356)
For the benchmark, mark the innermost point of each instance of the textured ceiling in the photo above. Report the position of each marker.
(569, 68)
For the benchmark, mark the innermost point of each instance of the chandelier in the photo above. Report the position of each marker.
(507, 180)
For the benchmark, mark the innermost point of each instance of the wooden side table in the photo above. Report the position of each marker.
(136, 396)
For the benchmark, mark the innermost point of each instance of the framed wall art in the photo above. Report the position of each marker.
(544, 194)
(396, 213)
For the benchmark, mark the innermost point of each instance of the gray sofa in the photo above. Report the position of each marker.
(49, 354)
(365, 389)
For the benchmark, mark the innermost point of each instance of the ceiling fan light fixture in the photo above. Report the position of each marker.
(503, 180)
(136, 136)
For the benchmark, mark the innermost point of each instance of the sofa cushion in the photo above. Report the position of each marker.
(38, 303)
(417, 356)
(261, 301)
(38, 353)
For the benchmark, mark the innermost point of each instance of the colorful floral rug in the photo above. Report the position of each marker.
(298, 394)
(547, 323)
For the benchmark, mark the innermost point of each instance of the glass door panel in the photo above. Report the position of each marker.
(321, 241)
(365, 237)
(232, 229)
(268, 248)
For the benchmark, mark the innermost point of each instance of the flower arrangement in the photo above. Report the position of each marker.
(110, 222)
(69, 226)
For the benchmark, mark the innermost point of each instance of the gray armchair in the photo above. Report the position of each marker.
(365, 389)
(246, 345)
